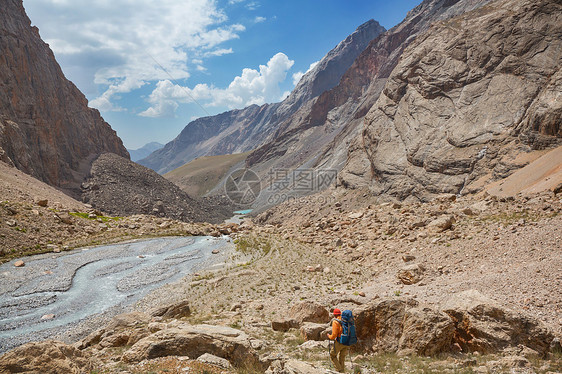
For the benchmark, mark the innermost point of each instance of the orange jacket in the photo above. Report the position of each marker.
(337, 330)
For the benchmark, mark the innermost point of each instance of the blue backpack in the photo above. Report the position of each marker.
(348, 336)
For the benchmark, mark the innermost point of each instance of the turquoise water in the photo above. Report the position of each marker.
(247, 211)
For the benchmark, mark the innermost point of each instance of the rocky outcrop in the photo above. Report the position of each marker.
(121, 187)
(49, 356)
(483, 325)
(193, 341)
(467, 320)
(462, 98)
(46, 127)
(239, 131)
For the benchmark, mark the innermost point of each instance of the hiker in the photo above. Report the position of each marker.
(339, 351)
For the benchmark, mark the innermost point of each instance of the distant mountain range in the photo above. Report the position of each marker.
(144, 151)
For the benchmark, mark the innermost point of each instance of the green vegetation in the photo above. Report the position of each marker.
(250, 244)
(87, 216)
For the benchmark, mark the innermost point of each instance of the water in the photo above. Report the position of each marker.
(83, 283)
(247, 211)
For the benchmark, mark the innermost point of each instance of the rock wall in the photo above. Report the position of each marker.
(464, 98)
(46, 127)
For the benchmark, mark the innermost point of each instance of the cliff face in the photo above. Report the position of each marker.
(244, 130)
(443, 102)
(465, 98)
(46, 127)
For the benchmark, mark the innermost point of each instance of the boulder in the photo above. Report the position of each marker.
(193, 341)
(48, 356)
(309, 311)
(284, 325)
(19, 264)
(482, 325)
(177, 310)
(214, 360)
(42, 202)
(411, 274)
(293, 367)
(314, 331)
(426, 332)
(124, 329)
(441, 224)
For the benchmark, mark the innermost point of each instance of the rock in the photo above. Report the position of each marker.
(411, 274)
(362, 294)
(483, 325)
(314, 331)
(214, 360)
(293, 367)
(47, 317)
(48, 356)
(426, 331)
(309, 311)
(42, 202)
(215, 251)
(193, 341)
(408, 258)
(441, 224)
(356, 215)
(177, 310)
(123, 329)
(235, 307)
(19, 264)
(11, 223)
(284, 325)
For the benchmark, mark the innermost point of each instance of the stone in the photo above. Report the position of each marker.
(11, 223)
(411, 274)
(293, 367)
(309, 311)
(19, 264)
(441, 224)
(314, 331)
(482, 325)
(48, 356)
(47, 317)
(426, 331)
(284, 325)
(193, 341)
(42, 202)
(214, 360)
(408, 258)
(178, 310)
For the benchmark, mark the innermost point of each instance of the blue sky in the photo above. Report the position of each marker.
(143, 63)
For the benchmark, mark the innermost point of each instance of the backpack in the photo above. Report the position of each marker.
(348, 336)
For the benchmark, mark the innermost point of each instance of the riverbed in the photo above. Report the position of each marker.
(54, 295)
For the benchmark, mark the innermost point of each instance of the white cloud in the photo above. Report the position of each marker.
(251, 87)
(259, 19)
(124, 44)
(299, 74)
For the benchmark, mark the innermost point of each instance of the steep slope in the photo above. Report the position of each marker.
(464, 100)
(243, 130)
(121, 187)
(144, 151)
(46, 127)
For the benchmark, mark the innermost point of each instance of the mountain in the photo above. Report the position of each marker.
(46, 127)
(440, 103)
(239, 131)
(144, 151)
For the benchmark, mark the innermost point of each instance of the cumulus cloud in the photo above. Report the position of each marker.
(259, 19)
(130, 43)
(251, 87)
(299, 74)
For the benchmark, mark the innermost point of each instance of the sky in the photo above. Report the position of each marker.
(151, 67)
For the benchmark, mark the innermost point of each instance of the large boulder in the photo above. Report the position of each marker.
(482, 325)
(48, 356)
(314, 331)
(411, 274)
(393, 325)
(309, 311)
(193, 341)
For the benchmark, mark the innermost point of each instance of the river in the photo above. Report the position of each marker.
(54, 293)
